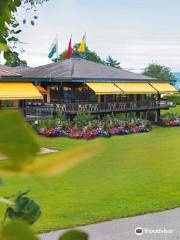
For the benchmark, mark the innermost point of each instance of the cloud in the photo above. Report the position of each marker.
(134, 33)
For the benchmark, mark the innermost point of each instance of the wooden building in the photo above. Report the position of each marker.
(80, 85)
(13, 92)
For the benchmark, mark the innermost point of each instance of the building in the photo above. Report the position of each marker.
(79, 85)
(13, 91)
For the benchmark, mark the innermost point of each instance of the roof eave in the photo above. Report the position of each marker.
(57, 79)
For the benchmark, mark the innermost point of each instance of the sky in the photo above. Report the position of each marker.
(135, 32)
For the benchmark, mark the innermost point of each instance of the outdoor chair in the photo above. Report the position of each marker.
(62, 107)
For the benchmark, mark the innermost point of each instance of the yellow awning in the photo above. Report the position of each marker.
(104, 88)
(18, 91)
(136, 88)
(164, 87)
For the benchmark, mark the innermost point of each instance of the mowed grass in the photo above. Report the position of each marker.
(132, 175)
(172, 110)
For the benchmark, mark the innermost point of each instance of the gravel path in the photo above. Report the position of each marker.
(124, 228)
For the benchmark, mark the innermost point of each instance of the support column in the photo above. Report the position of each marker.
(99, 98)
(135, 98)
(157, 116)
(48, 95)
(146, 115)
(15, 104)
(158, 113)
(22, 106)
(138, 114)
(105, 98)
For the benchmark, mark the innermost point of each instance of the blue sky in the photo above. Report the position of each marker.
(136, 32)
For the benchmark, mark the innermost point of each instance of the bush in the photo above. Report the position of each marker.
(82, 119)
(174, 98)
(61, 116)
(46, 123)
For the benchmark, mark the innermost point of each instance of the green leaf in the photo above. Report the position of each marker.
(74, 235)
(25, 209)
(8, 55)
(12, 39)
(3, 47)
(17, 230)
(18, 31)
(17, 141)
(17, 3)
(15, 25)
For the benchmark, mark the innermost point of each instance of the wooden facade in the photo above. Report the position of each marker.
(67, 85)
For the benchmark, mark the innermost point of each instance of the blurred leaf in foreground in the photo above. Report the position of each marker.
(24, 209)
(59, 162)
(17, 230)
(74, 235)
(16, 140)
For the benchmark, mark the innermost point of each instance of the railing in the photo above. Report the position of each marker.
(73, 108)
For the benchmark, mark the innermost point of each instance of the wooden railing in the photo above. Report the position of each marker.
(73, 108)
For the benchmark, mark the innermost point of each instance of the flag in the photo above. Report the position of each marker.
(82, 47)
(53, 49)
(69, 50)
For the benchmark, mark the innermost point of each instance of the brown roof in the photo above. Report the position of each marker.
(80, 69)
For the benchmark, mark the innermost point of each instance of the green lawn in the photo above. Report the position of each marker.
(133, 175)
(172, 110)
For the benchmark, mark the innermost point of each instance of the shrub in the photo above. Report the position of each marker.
(174, 98)
(61, 116)
(46, 123)
(82, 119)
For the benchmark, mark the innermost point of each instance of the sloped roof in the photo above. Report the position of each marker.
(13, 71)
(5, 73)
(20, 69)
(80, 69)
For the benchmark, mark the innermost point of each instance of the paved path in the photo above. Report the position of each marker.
(124, 228)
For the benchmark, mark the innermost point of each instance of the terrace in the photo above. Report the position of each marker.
(94, 108)
(79, 85)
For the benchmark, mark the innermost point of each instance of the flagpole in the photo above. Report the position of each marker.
(57, 47)
(85, 36)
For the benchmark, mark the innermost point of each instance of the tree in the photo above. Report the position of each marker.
(9, 26)
(15, 61)
(88, 55)
(160, 72)
(112, 62)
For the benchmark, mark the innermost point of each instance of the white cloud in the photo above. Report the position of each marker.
(136, 36)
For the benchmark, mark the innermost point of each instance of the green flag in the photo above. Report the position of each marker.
(53, 49)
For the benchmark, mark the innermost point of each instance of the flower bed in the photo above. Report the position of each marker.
(170, 120)
(96, 129)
